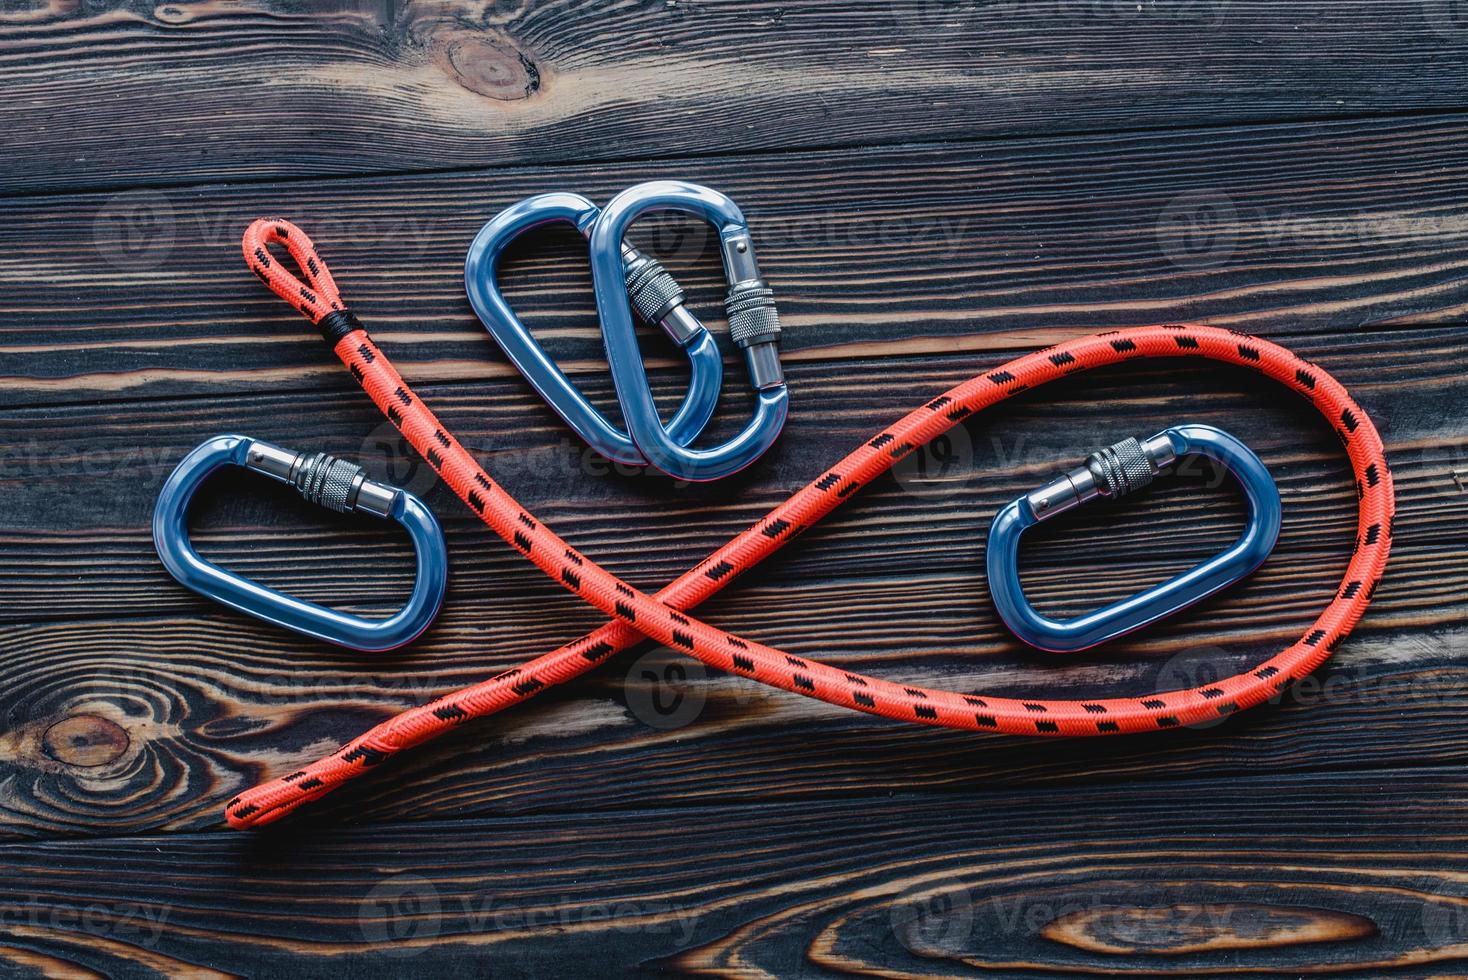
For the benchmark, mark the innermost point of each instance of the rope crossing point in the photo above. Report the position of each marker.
(664, 617)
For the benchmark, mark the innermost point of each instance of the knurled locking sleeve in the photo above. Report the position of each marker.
(753, 318)
(327, 480)
(653, 290)
(1121, 469)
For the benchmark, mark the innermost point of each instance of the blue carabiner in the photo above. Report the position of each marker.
(1113, 472)
(754, 326)
(657, 294)
(333, 483)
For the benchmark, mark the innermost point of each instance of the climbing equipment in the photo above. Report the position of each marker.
(621, 273)
(325, 480)
(659, 299)
(754, 326)
(1114, 472)
(664, 618)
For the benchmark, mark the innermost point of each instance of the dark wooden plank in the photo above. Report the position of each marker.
(136, 93)
(173, 705)
(1139, 879)
(872, 252)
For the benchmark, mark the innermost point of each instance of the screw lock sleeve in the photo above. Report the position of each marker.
(654, 292)
(328, 481)
(1112, 472)
(1121, 469)
(325, 480)
(753, 318)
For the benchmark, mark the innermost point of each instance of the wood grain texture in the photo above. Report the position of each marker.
(127, 93)
(933, 185)
(84, 482)
(1186, 878)
(937, 249)
(125, 686)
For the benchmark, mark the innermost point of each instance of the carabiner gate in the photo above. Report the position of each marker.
(1115, 472)
(754, 326)
(325, 480)
(659, 299)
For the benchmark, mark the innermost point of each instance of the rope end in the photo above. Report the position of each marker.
(317, 297)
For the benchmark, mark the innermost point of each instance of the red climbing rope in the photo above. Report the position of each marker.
(663, 617)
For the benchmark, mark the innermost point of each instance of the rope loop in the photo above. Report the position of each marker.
(317, 297)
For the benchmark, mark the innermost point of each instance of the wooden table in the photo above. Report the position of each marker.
(934, 187)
